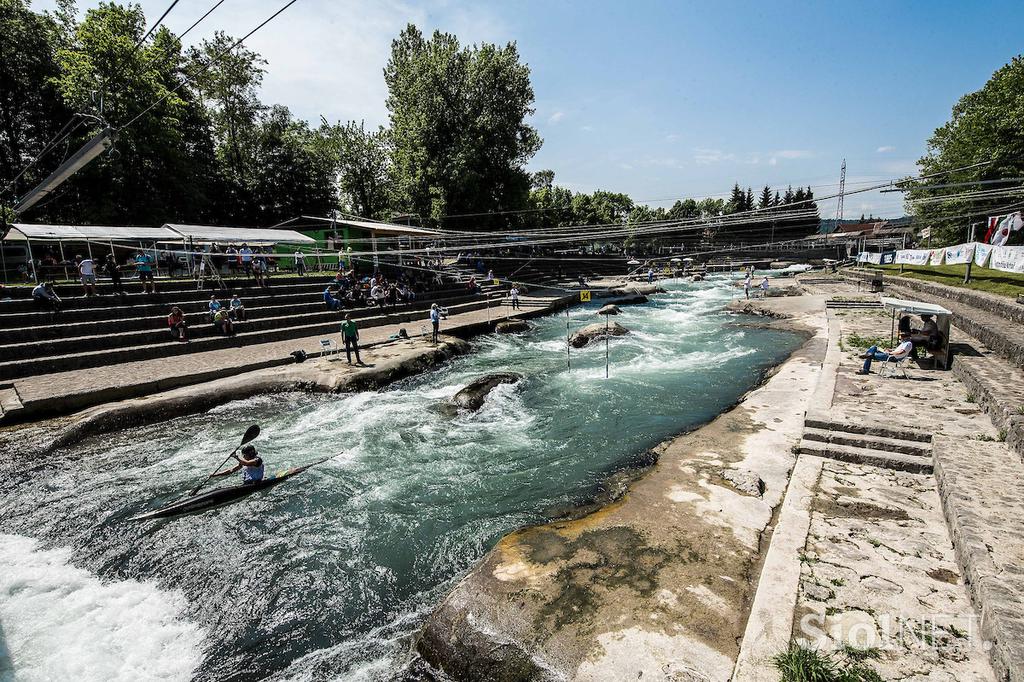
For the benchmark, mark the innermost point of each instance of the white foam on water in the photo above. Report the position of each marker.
(62, 623)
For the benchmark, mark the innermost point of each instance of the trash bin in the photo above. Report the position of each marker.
(876, 284)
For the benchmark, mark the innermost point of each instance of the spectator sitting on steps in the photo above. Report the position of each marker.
(177, 325)
(329, 300)
(43, 295)
(222, 321)
(236, 309)
(214, 306)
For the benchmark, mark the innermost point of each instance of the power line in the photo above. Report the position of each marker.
(210, 63)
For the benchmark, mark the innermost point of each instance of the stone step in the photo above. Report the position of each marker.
(866, 441)
(153, 318)
(979, 484)
(871, 457)
(17, 369)
(822, 421)
(10, 401)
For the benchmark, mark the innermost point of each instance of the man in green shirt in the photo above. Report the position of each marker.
(350, 333)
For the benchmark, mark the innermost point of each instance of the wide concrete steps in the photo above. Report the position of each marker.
(876, 445)
(15, 369)
(120, 320)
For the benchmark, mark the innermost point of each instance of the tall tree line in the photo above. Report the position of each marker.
(196, 143)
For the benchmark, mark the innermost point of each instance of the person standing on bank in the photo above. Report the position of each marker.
(764, 287)
(513, 293)
(350, 335)
(435, 321)
(114, 273)
(300, 264)
(746, 285)
(87, 270)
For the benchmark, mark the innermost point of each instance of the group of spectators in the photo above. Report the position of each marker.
(349, 290)
(222, 316)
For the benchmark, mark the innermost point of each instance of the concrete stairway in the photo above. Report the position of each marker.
(107, 330)
(882, 446)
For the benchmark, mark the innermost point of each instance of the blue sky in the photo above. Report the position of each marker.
(664, 100)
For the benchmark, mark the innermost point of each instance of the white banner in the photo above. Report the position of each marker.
(981, 254)
(873, 258)
(1008, 258)
(959, 254)
(913, 256)
(937, 255)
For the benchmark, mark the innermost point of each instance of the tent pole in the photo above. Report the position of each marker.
(3, 261)
(892, 329)
(63, 258)
(32, 260)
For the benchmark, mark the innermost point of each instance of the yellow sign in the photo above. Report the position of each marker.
(497, 282)
(585, 297)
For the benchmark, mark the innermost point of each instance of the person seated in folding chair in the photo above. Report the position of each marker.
(900, 352)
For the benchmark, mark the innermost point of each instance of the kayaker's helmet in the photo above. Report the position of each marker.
(248, 450)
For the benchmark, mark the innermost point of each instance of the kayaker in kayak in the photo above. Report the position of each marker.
(250, 463)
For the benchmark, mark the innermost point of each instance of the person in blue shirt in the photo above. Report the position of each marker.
(144, 268)
(329, 299)
(214, 306)
(435, 321)
(237, 309)
(250, 464)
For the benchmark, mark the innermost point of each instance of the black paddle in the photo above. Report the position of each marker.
(250, 434)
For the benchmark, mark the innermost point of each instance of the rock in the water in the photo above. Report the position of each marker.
(635, 299)
(512, 326)
(745, 481)
(609, 309)
(472, 396)
(593, 332)
(637, 290)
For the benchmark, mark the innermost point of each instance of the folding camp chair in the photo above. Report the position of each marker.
(893, 365)
(329, 347)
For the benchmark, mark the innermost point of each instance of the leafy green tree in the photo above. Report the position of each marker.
(985, 127)
(292, 170)
(229, 86)
(31, 110)
(458, 125)
(362, 162)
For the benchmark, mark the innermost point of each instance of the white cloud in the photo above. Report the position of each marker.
(672, 137)
(773, 161)
(587, 129)
(885, 149)
(709, 156)
(556, 117)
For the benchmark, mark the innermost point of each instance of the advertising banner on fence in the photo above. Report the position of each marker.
(873, 258)
(1008, 258)
(888, 258)
(936, 258)
(981, 254)
(959, 254)
(913, 256)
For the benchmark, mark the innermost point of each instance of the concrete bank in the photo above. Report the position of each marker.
(659, 582)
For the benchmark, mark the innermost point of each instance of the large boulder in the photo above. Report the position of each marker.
(592, 332)
(609, 309)
(512, 326)
(635, 299)
(472, 396)
(637, 289)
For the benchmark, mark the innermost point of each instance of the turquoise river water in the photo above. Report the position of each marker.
(329, 575)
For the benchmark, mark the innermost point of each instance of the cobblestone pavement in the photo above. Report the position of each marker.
(879, 573)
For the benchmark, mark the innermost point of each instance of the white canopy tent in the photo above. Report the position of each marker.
(942, 320)
(208, 234)
(87, 234)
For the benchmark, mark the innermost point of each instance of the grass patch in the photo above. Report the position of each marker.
(801, 664)
(858, 341)
(982, 279)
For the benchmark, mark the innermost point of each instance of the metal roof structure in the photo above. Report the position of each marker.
(914, 307)
(235, 235)
(92, 233)
(386, 228)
